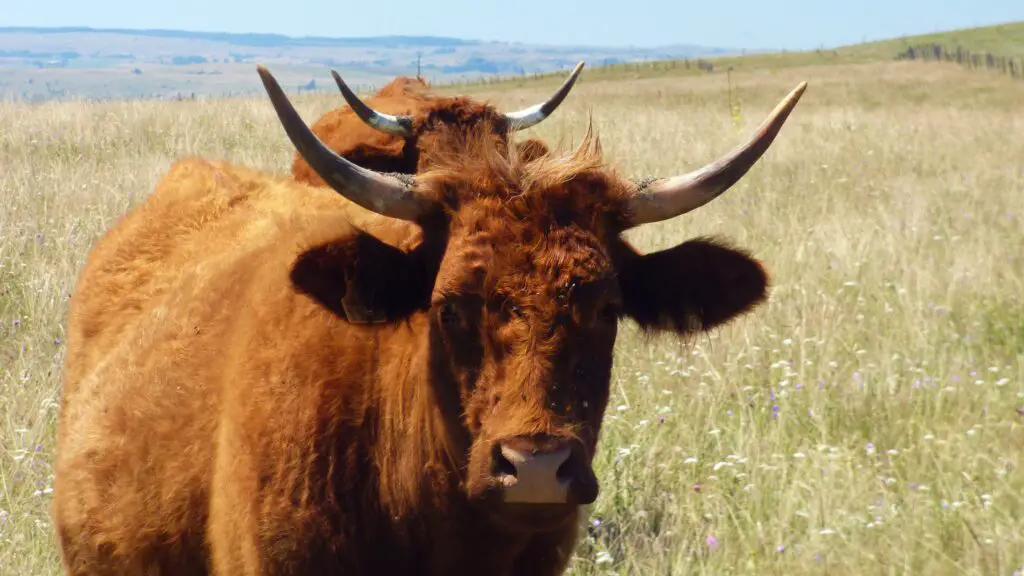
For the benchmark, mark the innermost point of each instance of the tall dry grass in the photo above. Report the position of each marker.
(869, 419)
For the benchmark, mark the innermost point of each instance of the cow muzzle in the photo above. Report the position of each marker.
(543, 470)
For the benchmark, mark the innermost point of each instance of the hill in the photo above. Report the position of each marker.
(1003, 40)
(48, 63)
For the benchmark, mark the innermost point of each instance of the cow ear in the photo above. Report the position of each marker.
(532, 149)
(363, 279)
(694, 286)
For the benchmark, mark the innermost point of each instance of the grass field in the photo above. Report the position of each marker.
(869, 419)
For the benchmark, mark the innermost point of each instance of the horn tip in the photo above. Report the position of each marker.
(799, 90)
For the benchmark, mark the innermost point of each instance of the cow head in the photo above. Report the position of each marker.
(524, 287)
(404, 142)
(405, 126)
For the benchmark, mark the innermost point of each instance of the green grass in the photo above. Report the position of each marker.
(866, 420)
(1002, 39)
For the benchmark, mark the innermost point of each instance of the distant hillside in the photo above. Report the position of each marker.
(44, 63)
(1003, 39)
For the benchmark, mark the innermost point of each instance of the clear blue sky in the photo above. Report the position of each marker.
(790, 24)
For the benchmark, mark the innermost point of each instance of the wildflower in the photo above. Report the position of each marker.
(870, 449)
(780, 548)
(712, 542)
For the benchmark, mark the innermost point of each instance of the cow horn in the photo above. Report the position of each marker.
(373, 191)
(666, 198)
(533, 115)
(397, 125)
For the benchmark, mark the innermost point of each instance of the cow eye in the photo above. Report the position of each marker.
(610, 312)
(449, 315)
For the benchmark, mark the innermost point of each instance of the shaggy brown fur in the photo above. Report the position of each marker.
(437, 120)
(222, 414)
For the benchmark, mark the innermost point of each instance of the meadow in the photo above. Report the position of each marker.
(868, 419)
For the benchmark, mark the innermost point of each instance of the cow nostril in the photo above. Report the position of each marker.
(501, 465)
(564, 473)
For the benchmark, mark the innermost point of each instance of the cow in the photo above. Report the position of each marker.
(254, 385)
(395, 130)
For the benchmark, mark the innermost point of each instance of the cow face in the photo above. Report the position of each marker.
(523, 319)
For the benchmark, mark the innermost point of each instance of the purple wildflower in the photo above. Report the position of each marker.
(712, 542)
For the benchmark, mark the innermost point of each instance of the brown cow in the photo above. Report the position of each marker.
(255, 386)
(396, 129)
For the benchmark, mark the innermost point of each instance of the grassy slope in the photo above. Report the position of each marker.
(1002, 40)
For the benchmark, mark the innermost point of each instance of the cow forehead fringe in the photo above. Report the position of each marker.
(486, 168)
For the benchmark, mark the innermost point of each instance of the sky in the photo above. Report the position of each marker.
(751, 24)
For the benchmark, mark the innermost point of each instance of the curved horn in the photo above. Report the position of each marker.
(533, 115)
(373, 191)
(669, 197)
(387, 123)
